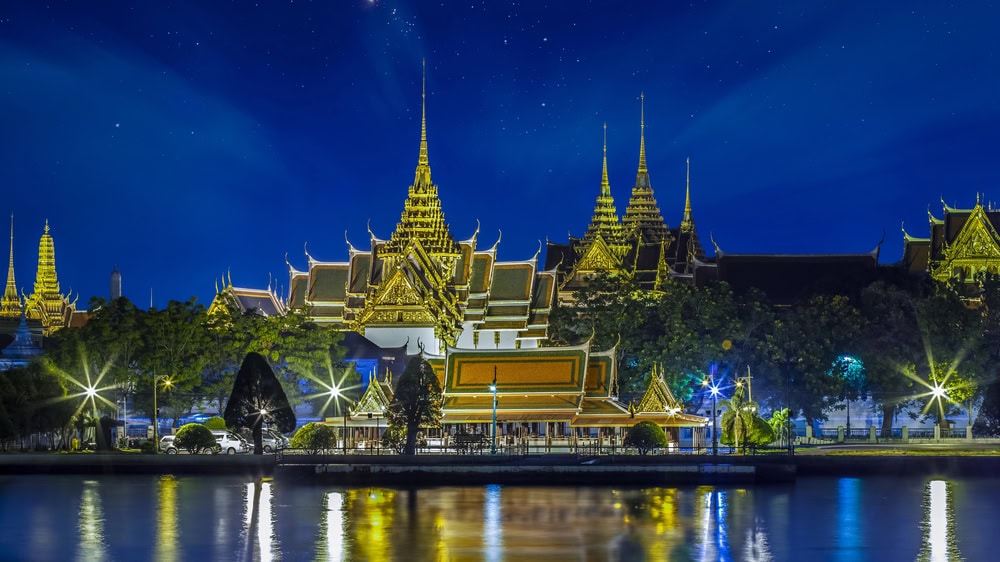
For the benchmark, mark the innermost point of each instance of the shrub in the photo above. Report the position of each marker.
(147, 447)
(194, 437)
(394, 438)
(313, 438)
(645, 436)
(215, 422)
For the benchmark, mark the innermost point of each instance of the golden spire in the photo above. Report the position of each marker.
(605, 220)
(687, 224)
(422, 217)
(642, 134)
(423, 174)
(642, 219)
(10, 305)
(605, 185)
(46, 303)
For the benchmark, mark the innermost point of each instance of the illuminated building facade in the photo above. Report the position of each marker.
(963, 245)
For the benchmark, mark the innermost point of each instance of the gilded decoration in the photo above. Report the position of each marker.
(976, 248)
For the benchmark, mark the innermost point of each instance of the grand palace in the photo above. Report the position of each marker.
(482, 321)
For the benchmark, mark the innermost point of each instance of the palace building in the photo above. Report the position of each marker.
(962, 245)
(421, 285)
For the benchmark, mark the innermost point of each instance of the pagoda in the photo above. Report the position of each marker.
(46, 304)
(640, 245)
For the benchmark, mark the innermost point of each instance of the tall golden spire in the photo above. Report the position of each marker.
(642, 219)
(46, 303)
(605, 220)
(687, 224)
(10, 305)
(642, 134)
(605, 185)
(423, 174)
(422, 217)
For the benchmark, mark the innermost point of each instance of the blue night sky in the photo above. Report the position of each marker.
(181, 140)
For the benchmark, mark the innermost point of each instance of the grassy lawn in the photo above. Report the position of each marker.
(915, 453)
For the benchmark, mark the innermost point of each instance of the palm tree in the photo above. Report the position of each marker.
(741, 426)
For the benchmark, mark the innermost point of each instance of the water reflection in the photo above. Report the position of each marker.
(153, 518)
(93, 545)
(258, 522)
(938, 526)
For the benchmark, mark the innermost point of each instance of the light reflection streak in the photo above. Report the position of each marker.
(166, 519)
(258, 522)
(331, 528)
(93, 545)
(850, 531)
(493, 523)
(938, 526)
(266, 540)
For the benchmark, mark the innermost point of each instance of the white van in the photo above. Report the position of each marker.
(229, 442)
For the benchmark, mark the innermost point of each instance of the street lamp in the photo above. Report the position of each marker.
(715, 393)
(493, 389)
(156, 411)
(336, 392)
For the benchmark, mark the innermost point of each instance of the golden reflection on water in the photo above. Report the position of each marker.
(938, 526)
(167, 537)
(93, 543)
(495, 523)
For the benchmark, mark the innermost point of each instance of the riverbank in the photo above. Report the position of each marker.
(567, 469)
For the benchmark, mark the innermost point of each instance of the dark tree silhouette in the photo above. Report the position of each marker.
(416, 401)
(258, 397)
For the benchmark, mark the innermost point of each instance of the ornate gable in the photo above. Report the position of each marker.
(975, 249)
(373, 401)
(657, 397)
(598, 256)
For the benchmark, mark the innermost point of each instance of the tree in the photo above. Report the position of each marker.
(195, 437)
(645, 436)
(416, 401)
(176, 344)
(215, 422)
(781, 426)
(258, 397)
(741, 424)
(890, 344)
(314, 437)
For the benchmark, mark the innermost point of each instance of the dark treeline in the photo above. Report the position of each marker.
(892, 343)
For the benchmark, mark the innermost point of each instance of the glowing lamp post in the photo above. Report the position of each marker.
(156, 412)
(493, 389)
(336, 392)
(715, 394)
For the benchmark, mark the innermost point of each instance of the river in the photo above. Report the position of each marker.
(171, 518)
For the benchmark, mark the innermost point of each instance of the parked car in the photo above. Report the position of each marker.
(273, 441)
(230, 443)
(167, 445)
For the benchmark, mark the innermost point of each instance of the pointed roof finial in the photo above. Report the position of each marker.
(423, 174)
(10, 306)
(642, 133)
(605, 185)
(687, 223)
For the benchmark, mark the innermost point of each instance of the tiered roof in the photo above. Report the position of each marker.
(962, 244)
(46, 303)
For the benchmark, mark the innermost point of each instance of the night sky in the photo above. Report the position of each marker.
(181, 140)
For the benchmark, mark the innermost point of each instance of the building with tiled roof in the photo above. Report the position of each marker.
(961, 245)
(422, 285)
